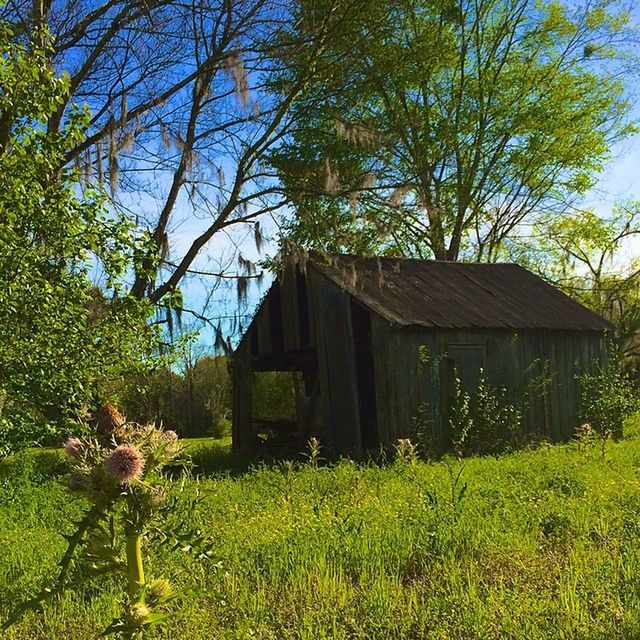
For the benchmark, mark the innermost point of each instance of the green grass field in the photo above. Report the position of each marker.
(542, 543)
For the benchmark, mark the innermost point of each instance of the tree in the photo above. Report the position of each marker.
(180, 119)
(452, 123)
(584, 255)
(61, 337)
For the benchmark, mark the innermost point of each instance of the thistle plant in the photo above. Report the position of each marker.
(123, 481)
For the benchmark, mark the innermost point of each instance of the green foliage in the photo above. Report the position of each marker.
(496, 420)
(460, 418)
(61, 339)
(448, 506)
(543, 544)
(584, 255)
(485, 421)
(608, 398)
(445, 125)
(422, 431)
(195, 399)
(274, 395)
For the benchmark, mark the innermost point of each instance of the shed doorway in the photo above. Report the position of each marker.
(365, 376)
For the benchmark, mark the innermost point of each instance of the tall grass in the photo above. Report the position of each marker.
(542, 543)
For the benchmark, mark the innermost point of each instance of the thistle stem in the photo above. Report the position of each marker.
(135, 569)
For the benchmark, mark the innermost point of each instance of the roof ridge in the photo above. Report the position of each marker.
(439, 293)
(356, 256)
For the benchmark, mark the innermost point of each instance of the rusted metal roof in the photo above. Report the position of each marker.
(432, 293)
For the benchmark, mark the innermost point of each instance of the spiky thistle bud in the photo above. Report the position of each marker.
(139, 612)
(74, 447)
(159, 590)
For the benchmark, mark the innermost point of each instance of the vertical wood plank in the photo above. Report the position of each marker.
(289, 310)
(242, 429)
(379, 343)
(264, 330)
(343, 415)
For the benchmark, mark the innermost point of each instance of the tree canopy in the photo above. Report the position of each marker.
(180, 119)
(588, 256)
(452, 123)
(61, 336)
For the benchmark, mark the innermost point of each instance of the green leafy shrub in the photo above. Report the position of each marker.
(484, 422)
(422, 432)
(461, 422)
(61, 338)
(274, 395)
(193, 397)
(608, 398)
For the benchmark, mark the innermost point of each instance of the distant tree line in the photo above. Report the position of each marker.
(195, 397)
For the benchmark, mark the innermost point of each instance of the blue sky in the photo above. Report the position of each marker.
(618, 182)
(621, 178)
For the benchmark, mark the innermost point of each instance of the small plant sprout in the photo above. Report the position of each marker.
(450, 505)
(313, 451)
(406, 451)
(123, 481)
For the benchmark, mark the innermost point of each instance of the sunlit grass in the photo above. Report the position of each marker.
(542, 544)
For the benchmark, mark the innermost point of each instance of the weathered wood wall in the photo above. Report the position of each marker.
(331, 309)
(412, 365)
(303, 325)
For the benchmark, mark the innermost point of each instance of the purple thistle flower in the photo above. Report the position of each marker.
(74, 447)
(124, 464)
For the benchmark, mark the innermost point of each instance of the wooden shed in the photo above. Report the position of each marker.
(375, 344)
